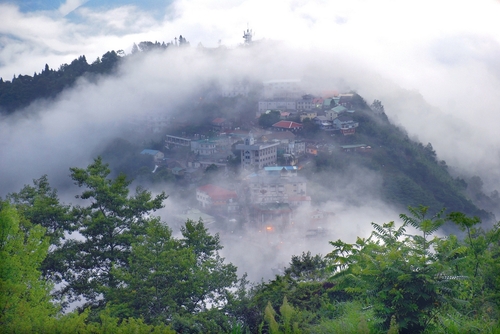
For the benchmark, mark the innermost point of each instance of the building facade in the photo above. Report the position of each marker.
(257, 154)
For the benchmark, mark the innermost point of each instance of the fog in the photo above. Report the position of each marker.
(434, 67)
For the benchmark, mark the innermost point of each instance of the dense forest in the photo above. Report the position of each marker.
(127, 273)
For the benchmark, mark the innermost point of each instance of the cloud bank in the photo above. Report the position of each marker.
(434, 66)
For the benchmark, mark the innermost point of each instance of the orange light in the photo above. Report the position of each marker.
(269, 228)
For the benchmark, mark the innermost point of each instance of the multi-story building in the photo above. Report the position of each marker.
(277, 189)
(282, 89)
(204, 146)
(257, 154)
(215, 198)
(276, 105)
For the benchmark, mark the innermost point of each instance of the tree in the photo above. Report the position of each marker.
(25, 298)
(39, 205)
(108, 225)
(183, 282)
(212, 279)
(269, 118)
(377, 107)
(152, 284)
(402, 272)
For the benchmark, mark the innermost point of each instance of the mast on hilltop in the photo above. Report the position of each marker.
(247, 36)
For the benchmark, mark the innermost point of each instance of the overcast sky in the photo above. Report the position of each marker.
(434, 64)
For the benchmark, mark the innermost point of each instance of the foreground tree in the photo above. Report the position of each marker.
(183, 282)
(39, 204)
(109, 224)
(400, 274)
(25, 298)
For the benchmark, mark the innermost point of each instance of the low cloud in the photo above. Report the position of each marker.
(433, 65)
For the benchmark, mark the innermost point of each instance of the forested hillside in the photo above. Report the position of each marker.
(412, 172)
(24, 89)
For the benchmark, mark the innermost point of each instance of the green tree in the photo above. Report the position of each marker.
(25, 298)
(399, 272)
(152, 284)
(39, 205)
(212, 278)
(108, 225)
(267, 119)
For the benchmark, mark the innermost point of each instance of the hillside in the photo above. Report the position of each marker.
(411, 172)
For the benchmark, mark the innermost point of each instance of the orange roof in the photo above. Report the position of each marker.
(217, 193)
(287, 125)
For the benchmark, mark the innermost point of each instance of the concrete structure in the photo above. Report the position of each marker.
(276, 189)
(204, 147)
(257, 154)
(276, 105)
(215, 198)
(282, 89)
(177, 141)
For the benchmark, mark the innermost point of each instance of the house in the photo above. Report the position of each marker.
(346, 125)
(215, 198)
(287, 125)
(308, 114)
(346, 100)
(157, 155)
(335, 112)
(323, 123)
(258, 154)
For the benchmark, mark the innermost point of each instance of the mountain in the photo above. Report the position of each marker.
(409, 173)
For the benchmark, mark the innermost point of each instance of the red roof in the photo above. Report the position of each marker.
(218, 120)
(217, 193)
(287, 125)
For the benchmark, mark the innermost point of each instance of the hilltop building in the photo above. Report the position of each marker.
(257, 154)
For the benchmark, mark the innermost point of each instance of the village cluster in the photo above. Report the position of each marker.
(268, 189)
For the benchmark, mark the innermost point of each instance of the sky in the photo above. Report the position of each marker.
(433, 64)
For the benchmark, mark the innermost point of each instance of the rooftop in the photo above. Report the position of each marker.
(217, 193)
(287, 125)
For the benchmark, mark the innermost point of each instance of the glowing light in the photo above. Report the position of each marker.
(269, 228)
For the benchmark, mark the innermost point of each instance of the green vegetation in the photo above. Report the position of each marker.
(134, 276)
(24, 89)
(410, 171)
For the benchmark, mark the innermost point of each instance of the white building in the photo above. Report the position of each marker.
(257, 154)
(285, 188)
(204, 147)
(282, 89)
(276, 105)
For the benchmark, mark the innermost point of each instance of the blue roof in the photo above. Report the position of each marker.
(279, 168)
(150, 152)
